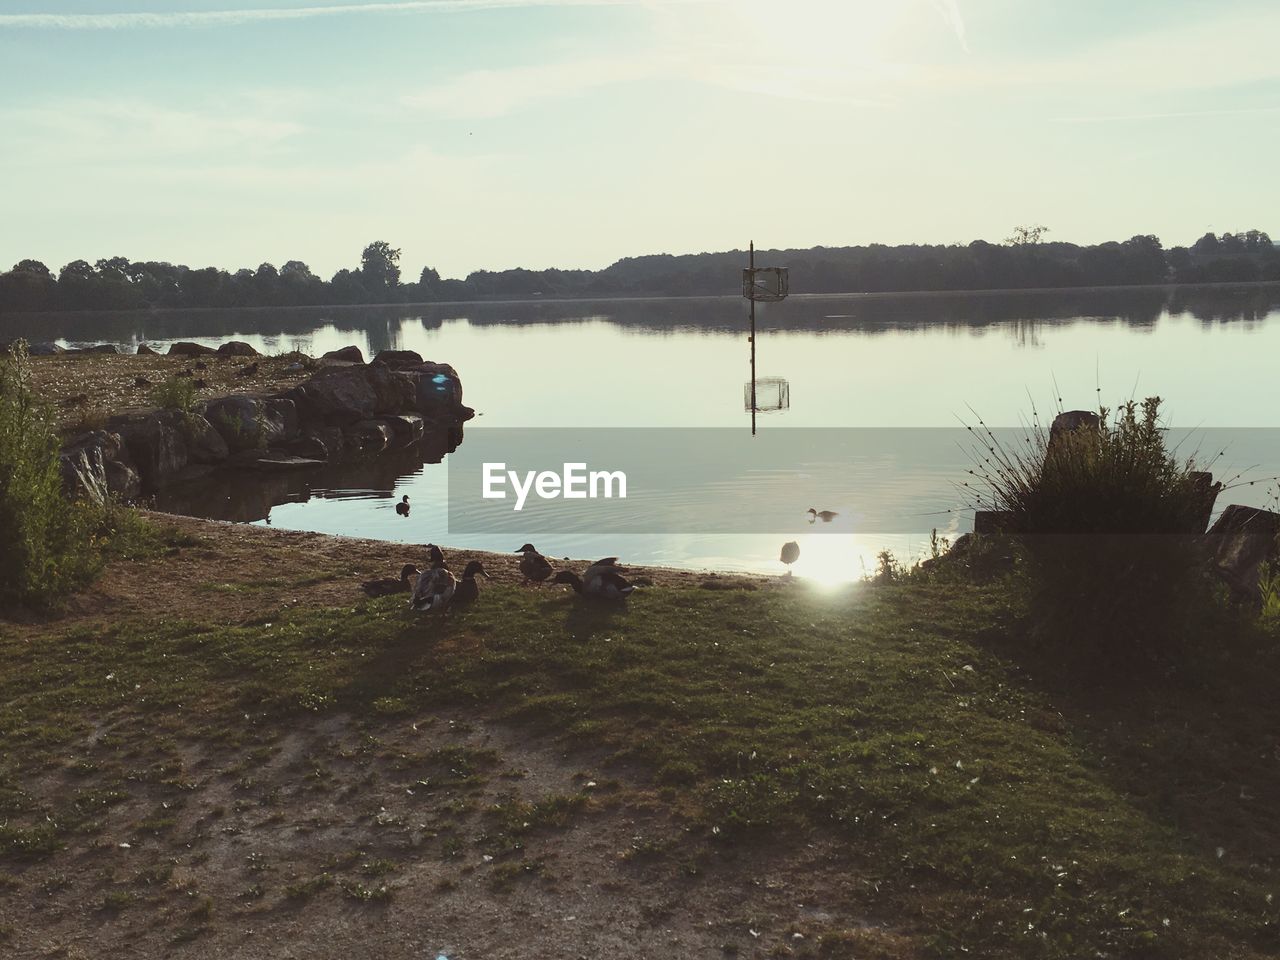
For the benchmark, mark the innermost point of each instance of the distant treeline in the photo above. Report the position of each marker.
(1025, 261)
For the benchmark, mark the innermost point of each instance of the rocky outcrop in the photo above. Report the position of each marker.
(146, 351)
(1241, 541)
(45, 348)
(347, 408)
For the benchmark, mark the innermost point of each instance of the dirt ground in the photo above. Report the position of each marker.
(448, 834)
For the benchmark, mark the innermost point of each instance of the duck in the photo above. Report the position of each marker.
(385, 586)
(606, 584)
(533, 565)
(826, 516)
(436, 586)
(435, 557)
(790, 554)
(467, 589)
(402, 507)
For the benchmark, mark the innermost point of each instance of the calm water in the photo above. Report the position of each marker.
(899, 362)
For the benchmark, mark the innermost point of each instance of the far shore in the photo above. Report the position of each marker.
(642, 298)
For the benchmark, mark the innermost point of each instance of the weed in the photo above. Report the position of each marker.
(177, 393)
(306, 889)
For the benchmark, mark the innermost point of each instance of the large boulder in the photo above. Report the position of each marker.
(349, 354)
(249, 424)
(97, 465)
(204, 443)
(1071, 421)
(185, 348)
(100, 348)
(45, 348)
(399, 359)
(157, 445)
(438, 391)
(350, 394)
(1241, 541)
(237, 348)
(146, 351)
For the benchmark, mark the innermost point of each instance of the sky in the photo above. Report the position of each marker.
(488, 134)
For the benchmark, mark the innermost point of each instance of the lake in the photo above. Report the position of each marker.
(887, 367)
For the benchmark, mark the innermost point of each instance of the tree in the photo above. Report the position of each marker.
(380, 267)
(1026, 236)
(1208, 244)
(34, 267)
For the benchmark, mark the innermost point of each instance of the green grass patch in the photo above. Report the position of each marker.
(996, 809)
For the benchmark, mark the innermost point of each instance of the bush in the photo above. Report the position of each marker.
(179, 394)
(1108, 520)
(46, 543)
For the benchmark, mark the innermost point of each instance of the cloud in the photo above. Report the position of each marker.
(227, 18)
(950, 10)
(494, 93)
(107, 129)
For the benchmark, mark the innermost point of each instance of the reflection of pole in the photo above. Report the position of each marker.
(752, 264)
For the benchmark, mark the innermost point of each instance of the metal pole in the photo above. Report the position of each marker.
(752, 265)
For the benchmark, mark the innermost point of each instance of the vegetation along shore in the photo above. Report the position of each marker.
(1026, 260)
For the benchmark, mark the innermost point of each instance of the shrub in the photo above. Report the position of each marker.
(178, 393)
(1108, 519)
(46, 543)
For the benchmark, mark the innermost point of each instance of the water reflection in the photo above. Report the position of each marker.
(381, 326)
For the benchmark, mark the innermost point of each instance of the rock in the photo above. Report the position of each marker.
(184, 348)
(283, 412)
(1208, 493)
(351, 394)
(100, 348)
(370, 434)
(146, 351)
(248, 370)
(249, 424)
(142, 382)
(275, 462)
(204, 443)
(1241, 541)
(97, 465)
(329, 438)
(399, 359)
(1071, 421)
(438, 391)
(237, 348)
(310, 448)
(157, 445)
(405, 426)
(45, 348)
(294, 367)
(349, 354)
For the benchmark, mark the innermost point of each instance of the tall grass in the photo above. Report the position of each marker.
(46, 543)
(1109, 521)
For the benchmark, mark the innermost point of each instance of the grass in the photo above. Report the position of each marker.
(985, 804)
